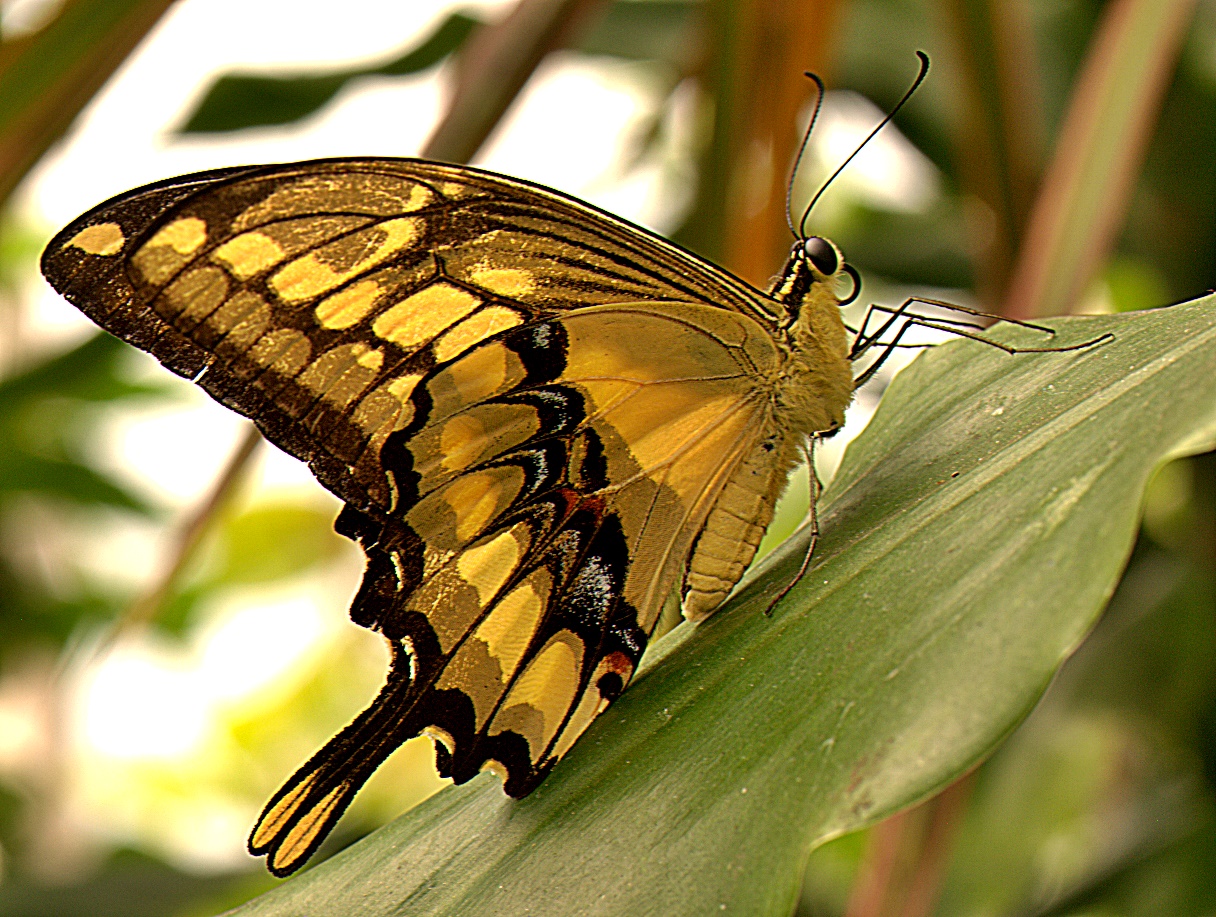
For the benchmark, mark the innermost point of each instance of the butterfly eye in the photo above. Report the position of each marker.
(822, 255)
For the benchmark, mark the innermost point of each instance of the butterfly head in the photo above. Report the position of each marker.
(810, 280)
(821, 255)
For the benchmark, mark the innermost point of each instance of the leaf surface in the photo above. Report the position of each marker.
(970, 540)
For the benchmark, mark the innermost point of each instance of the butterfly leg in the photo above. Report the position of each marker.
(860, 347)
(811, 519)
(902, 316)
(956, 327)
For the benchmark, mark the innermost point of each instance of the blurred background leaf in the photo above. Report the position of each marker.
(47, 415)
(234, 101)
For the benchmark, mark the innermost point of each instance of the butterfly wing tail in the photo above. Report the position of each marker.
(305, 809)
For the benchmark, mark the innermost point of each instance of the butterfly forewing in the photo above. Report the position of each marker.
(312, 297)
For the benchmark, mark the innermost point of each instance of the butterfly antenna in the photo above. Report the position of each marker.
(920, 78)
(789, 187)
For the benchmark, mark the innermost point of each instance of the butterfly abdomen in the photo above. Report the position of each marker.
(809, 388)
(735, 526)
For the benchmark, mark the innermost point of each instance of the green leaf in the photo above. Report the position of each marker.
(494, 66)
(26, 472)
(262, 545)
(91, 371)
(650, 30)
(236, 101)
(1000, 137)
(970, 540)
(1104, 775)
(45, 430)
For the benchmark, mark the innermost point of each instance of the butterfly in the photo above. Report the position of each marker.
(542, 421)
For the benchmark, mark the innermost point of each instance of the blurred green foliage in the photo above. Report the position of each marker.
(263, 544)
(47, 416)
(234, 101)
(1102, 802)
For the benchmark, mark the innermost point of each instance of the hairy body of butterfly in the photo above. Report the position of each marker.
(542, 420)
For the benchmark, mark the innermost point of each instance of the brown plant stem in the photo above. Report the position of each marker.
(1084, 196)
(770, 43)
(48, 77)
(904, 865)
(494, 65)
(999, 137)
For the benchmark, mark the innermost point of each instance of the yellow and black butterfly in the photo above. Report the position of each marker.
(542, 420)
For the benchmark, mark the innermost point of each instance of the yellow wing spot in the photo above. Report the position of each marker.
(456, 443)
(342, 373)
(462, 441)
(487, 566)
(592, 703)
(590, 706)
(477, 498)
(423, 315)
(193, 296)
(248, 254)
(403, 386)
(240, 321)
(420, 196)
(372, 359)
(485, 664)
(544, 691)
(387, 405)
(268, 825)
(184, 236)
(440, 737)
(304, 278)
(102, 239)
(352, 192)
(497, 768)
(508, 629)
(505, 281)
(348, 307)
(283, 351)
(474, 330)
(309, 276)
(170, 249)
(474, 377)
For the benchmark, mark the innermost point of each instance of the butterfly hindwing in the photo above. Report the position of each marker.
(521, 580)
(514, 506)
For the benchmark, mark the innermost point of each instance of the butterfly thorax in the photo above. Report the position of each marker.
(816, 381)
